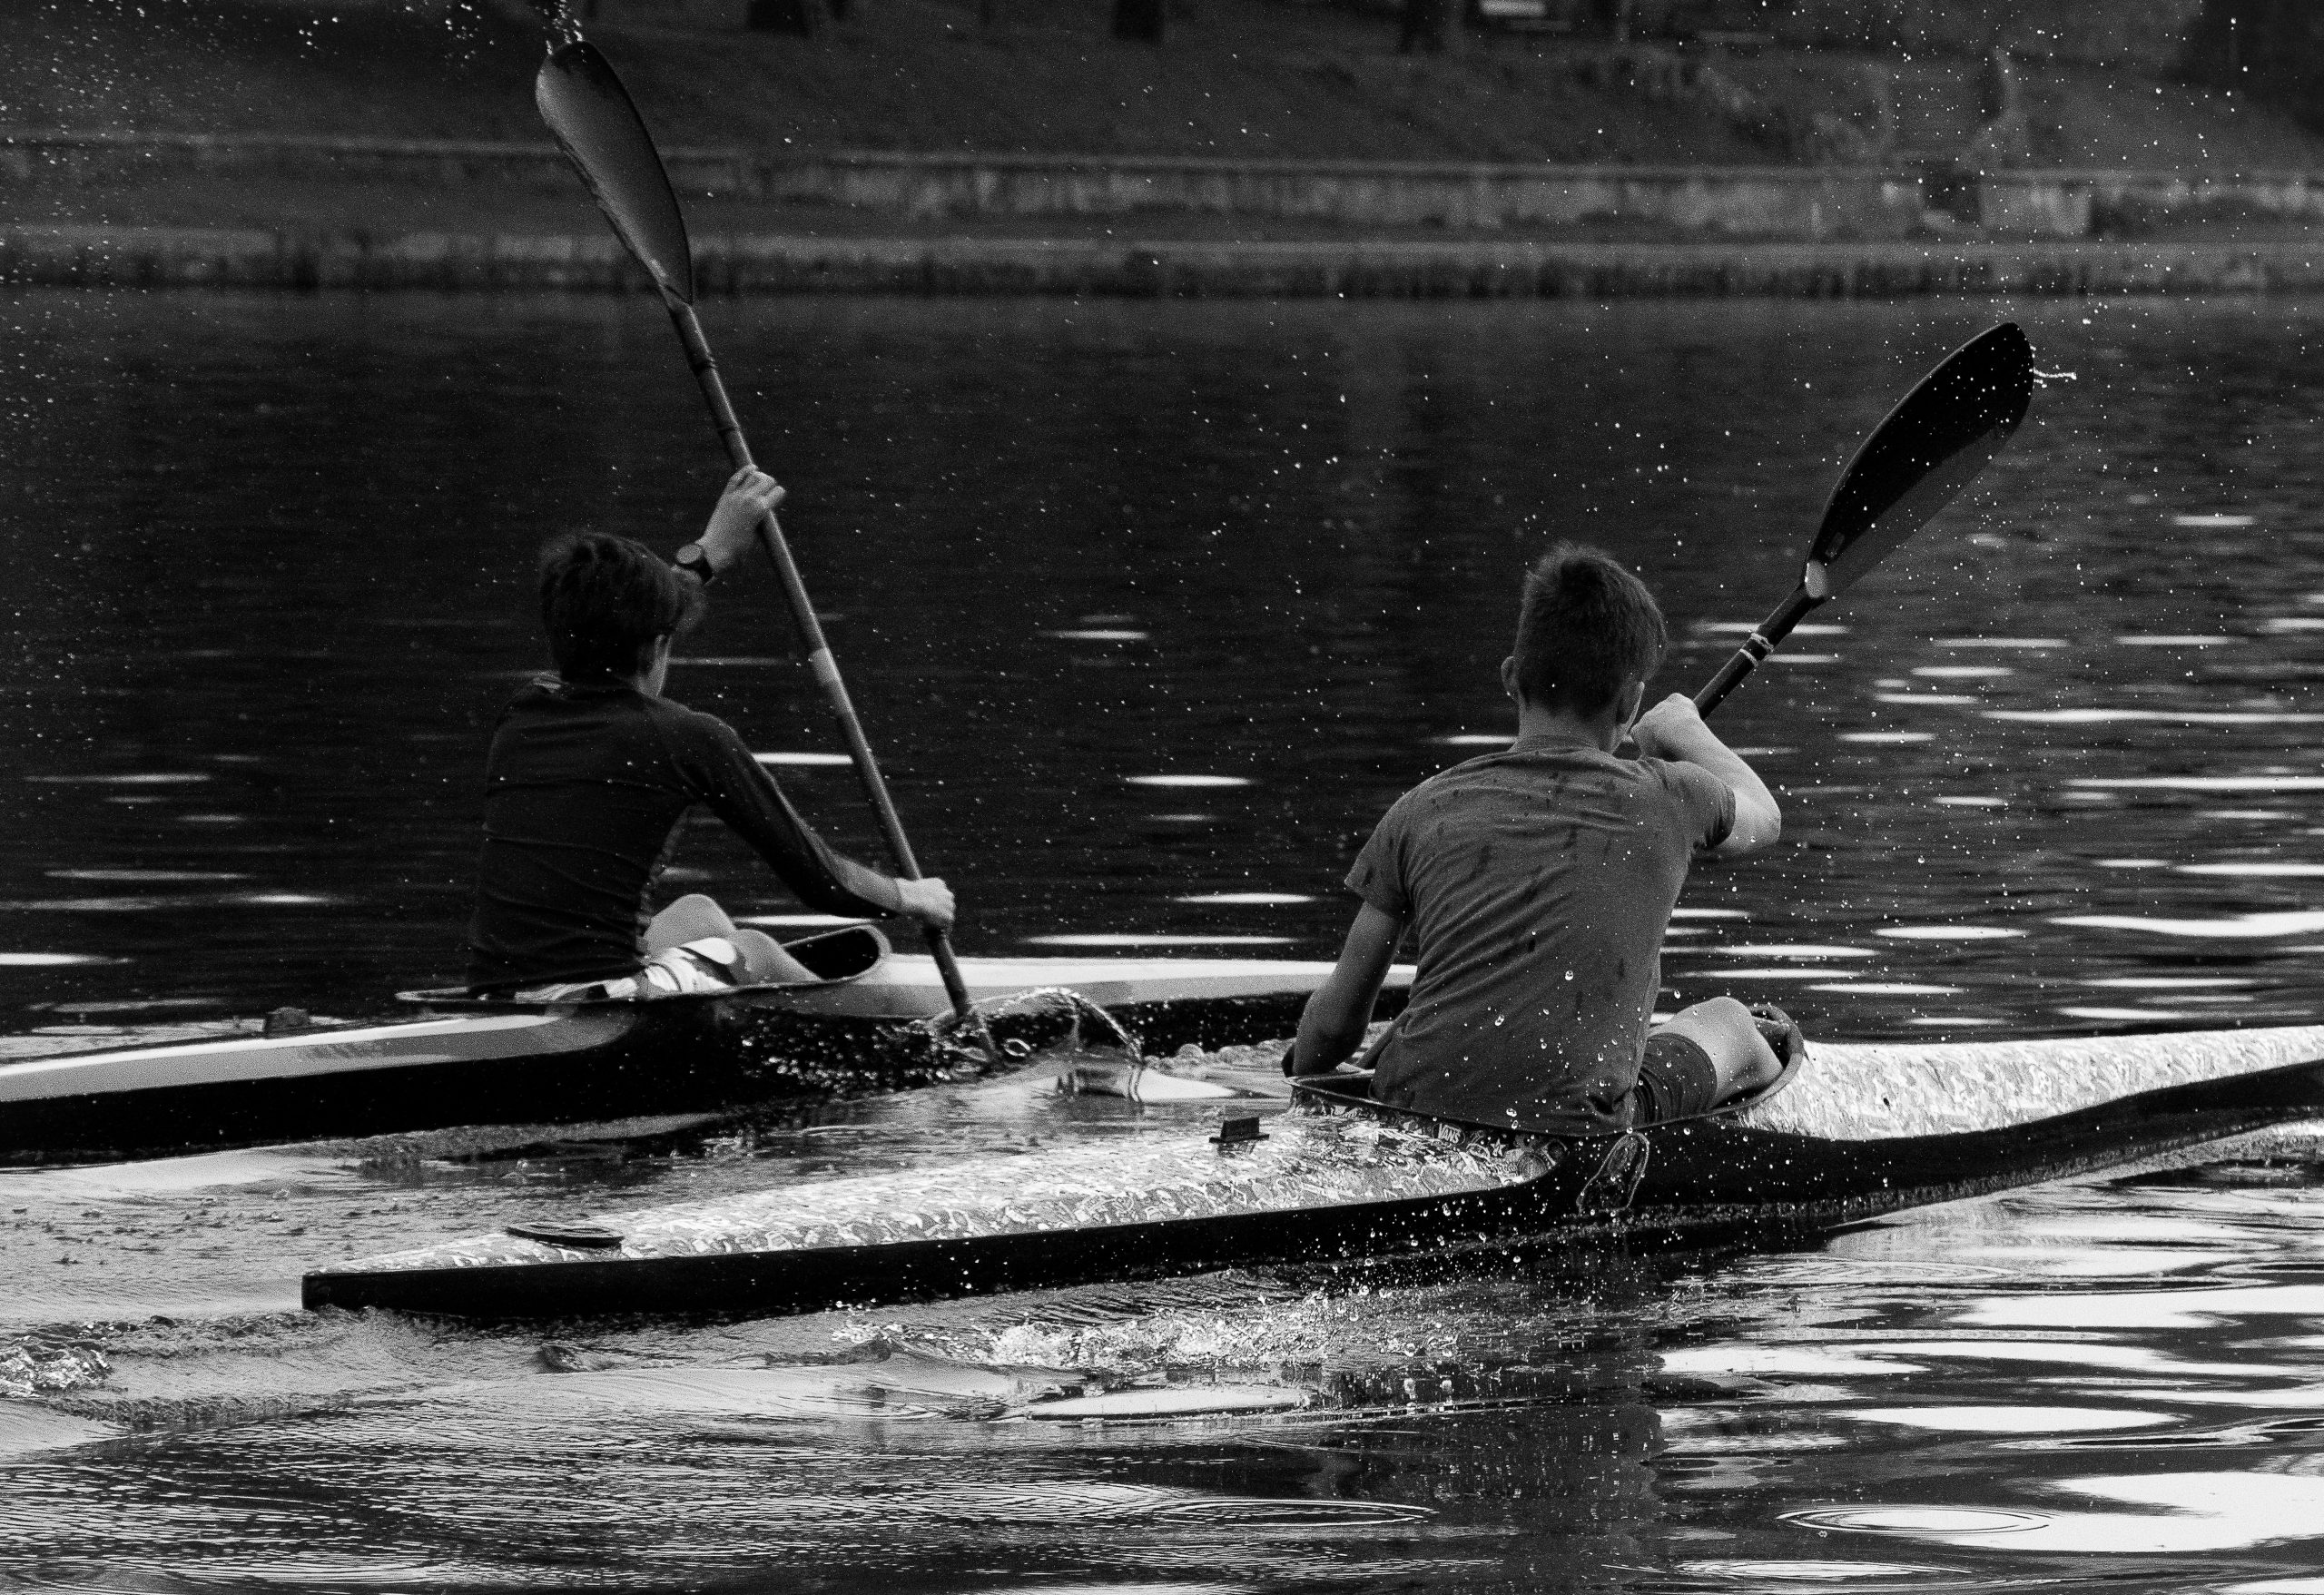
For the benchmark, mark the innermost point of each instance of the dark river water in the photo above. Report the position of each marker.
(1152, 609)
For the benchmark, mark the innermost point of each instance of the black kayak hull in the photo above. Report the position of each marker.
(1695, 1179)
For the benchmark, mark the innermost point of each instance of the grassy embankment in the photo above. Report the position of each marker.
(1239, 78)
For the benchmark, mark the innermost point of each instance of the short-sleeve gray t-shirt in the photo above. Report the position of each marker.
(1539, 882)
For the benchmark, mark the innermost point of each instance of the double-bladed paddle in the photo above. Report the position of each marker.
(598, 127)
(1930, 447)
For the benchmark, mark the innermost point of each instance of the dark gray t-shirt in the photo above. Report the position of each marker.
(1539, 882)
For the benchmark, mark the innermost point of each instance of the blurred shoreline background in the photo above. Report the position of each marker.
(1276, 146)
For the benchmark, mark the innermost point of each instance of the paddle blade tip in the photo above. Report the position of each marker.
(596, 124)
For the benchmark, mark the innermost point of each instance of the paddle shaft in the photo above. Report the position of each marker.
(1761, 643)
(819, 652)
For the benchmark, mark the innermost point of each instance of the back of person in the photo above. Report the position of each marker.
(585, 785)
(1538, 883)
(592, 769)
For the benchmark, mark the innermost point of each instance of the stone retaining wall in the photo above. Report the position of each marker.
(1807, 202)
(165, 257)
(1783, 201)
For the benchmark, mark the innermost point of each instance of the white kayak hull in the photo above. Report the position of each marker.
(473, 1060)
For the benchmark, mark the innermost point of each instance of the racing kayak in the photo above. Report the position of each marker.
(861, 1027)
(1862, 1130)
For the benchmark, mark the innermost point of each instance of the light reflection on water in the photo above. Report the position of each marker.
(1279, 594)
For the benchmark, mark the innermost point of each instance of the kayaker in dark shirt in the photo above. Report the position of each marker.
(592, 769)
(1539, 882)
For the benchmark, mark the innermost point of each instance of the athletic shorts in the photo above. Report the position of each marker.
(1676, 1079)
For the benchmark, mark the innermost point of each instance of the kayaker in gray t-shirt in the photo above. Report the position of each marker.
(1539, 883)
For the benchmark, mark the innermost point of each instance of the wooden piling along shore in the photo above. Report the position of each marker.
(129, 257)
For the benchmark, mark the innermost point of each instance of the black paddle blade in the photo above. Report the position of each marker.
(1930, 447)
(597, 126)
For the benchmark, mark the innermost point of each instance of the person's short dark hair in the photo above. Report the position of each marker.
(1586, 627)
(604, 599)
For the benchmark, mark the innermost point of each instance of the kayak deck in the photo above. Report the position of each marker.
(1862, 1132)
(1302, 1163)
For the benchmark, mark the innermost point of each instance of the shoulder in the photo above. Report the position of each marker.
(1444, 787)
(690, 724)
(1678, 777)
(1701, 800)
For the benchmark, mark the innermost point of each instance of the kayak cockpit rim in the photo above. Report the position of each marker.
(835, 958)
(1350, 1091)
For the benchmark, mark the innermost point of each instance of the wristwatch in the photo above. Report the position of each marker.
(695, 557)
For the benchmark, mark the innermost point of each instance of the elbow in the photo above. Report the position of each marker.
(1758, 827)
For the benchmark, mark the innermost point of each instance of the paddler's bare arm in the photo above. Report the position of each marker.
(1332, 1024)
(1672, 730)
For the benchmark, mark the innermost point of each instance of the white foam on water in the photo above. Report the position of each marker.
(281, 899)
(2028, 1420)
(1974, 802)
(157, 778)
(1761, 753)
(2245, 814)
(2252, 867)
(1933, 700)
(2292, 623)
(1885, 737)
(796, 921)
(1917, 1521)
(2111, 1015)
(1780, 657)
(1685, 913)
(1187, 780)
(1750, 1572)
(49, 960)
(1803, 951)
(1733, 1357)
(1252, 899)
(1182, 819)
(1097, 634)
(1947, 932)
(1892, 988)
(1964, 672)
(2215, 521)
(2161, 982)
(2177, 640)
(2197, 783)
(2133, 863)
(2150, 716)
(1125, 938)
(213, 819)
(733, 661)
(147, 875)
(801, 759)
(2237, 928)
(1475, 739)
(1791, 974)
(1949, 1021)
(2001, 642)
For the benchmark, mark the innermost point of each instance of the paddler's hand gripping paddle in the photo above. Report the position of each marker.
(597, 125)
(1931, 447)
